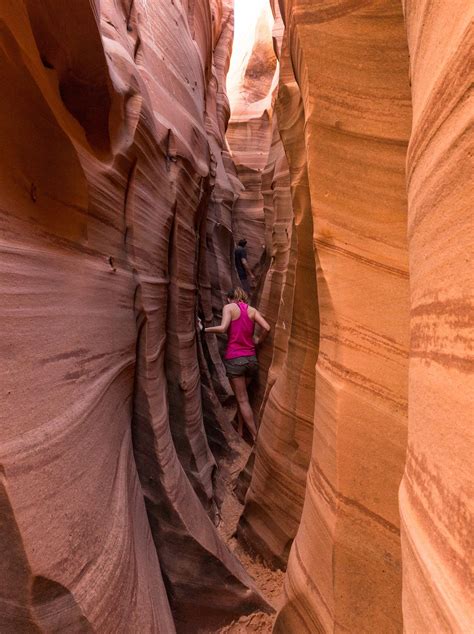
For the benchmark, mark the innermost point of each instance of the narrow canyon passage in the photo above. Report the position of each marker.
(142, 139)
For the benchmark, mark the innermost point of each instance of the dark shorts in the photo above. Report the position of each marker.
(241, 366)
(244, 283)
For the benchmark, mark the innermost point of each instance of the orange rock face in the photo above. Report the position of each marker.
(344, 566)
(111, 121)
(360, 75)
(436, 496)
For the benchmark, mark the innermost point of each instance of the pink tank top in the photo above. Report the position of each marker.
(240, 335)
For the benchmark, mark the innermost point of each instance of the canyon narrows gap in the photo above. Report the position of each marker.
(135, 154)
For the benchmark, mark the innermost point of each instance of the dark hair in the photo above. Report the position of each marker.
(238, 294)
(242, 242)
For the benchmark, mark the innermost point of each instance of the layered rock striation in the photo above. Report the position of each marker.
(125, 180)
(383, 300)
(436, 496)
(112, 121)
(275, 498)
(251, 82)
(351, 62)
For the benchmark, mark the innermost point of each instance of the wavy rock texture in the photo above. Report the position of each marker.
(436, 497)
(278, 216)
(275, 498)
(249, 136)
(119, 205)
(106, 175)
(216, 242)
(351, 64)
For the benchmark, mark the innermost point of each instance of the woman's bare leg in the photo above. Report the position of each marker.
(239, 385)
(241, 420)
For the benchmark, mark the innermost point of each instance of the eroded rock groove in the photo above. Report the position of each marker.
(141, 140)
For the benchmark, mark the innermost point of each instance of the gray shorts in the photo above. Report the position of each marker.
(241, 366)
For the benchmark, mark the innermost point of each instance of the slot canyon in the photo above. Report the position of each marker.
(141, 140)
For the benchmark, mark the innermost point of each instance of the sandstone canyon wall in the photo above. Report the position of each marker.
(250, 86)
(358, 74)
(436, 496)
(275, 498)
(112, 121)
(124, 182)
(354, 132)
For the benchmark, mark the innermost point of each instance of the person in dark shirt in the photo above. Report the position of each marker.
(241, 264)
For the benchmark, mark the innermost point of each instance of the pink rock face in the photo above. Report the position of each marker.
(105, 177)
(250, 142)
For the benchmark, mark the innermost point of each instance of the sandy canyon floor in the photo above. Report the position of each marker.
(269, 582)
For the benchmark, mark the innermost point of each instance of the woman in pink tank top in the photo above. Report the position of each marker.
(240, 360)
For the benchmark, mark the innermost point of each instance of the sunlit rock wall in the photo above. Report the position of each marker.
(107, 168)
(436, 497)
(251, 84)
(351, 64)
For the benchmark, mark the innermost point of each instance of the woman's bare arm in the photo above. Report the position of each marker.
(264, 325)
(225, 322)
(247, 268)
